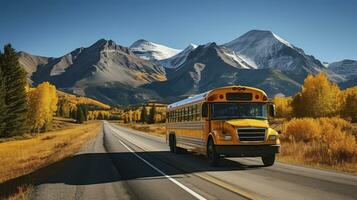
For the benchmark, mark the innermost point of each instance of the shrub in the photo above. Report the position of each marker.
(305, 129)
(329, 140)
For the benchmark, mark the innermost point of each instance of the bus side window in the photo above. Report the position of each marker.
(174, 113)
(204, 110)
(198, 113)
(186, 114)
(194, 111)
(181, 115)
(190, 113)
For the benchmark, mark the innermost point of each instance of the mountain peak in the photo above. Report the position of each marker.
(104, 43)
(192, 46)
(261, 32)
(264, 49)
(259, 36)
(152, 51)
(139, 43)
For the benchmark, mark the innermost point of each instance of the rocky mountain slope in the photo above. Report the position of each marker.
(103, 64)
(152, 72)
(178, 59)
(208, 66)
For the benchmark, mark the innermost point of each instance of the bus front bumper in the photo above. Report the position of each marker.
(247, 150)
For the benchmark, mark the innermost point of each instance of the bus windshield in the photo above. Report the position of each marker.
(239, 110)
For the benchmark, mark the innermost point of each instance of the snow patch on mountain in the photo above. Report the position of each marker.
(283, 41)
(152, 51)
(178, 59)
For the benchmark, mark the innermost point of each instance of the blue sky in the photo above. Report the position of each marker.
(326, 29)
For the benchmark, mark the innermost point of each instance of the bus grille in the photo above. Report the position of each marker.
(251, 134)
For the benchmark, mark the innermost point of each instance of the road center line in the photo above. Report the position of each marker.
(193, 193)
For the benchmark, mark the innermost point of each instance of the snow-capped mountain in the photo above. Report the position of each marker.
(152, 72)
(264, 49)
(151, 51)
(178, 59)
(209, 66)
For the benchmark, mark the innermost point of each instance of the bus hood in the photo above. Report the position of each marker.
(248, 123)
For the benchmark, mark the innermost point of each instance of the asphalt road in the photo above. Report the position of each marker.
(127, 164)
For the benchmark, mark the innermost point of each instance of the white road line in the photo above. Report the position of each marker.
(193, 193)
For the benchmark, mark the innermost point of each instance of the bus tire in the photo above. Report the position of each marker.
(212, 155)
(173, 147)
(172, 143)
(268, 160)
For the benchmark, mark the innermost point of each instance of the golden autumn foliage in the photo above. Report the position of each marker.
(318, 98)
(331, 140)
(68, 103)
(283, 106)
(135, 113)
(42, 102)
(98, 114)
(349, 104)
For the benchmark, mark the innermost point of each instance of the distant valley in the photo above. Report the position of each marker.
(147, 71)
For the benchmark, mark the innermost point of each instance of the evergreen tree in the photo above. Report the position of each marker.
(152, 114)
(73, 114)
(143, 115)
(2, 100)
(85, 111)
(80, 114)
(15, 92)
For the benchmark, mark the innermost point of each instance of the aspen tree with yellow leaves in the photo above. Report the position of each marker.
(283, 106)
(349, 105)
(42, 102)
(318, 98)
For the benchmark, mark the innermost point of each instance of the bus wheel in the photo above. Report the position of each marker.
(268, 160)
(212, 155)
(172, 143)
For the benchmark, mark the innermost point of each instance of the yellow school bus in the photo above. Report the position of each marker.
(229, 121)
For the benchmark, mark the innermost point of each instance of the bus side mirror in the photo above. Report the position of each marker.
(272, 111)
(204, 110)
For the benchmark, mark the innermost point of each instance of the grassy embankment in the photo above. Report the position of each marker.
(25, 155)
(315, 152)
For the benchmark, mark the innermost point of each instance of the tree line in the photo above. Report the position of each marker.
(319, 98)
(149, 114)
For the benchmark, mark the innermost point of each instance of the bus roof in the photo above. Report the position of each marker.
(192, 99)
(202, 96)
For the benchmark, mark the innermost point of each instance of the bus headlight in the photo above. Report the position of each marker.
(273, 138)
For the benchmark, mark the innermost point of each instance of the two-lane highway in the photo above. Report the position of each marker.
(127, 164)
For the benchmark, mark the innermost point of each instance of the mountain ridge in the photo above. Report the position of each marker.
(119, 75)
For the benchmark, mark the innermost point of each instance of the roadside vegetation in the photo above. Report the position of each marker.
(20, 157)
(317, 125)
(36, 128)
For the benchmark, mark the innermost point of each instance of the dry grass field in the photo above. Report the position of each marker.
(20, 157)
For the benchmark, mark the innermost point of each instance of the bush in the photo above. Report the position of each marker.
(305, 129)
(329, 140)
